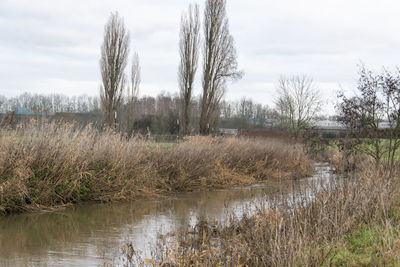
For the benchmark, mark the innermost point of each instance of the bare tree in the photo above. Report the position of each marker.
(298, 103)
(114, 57)
(390, 89)
(362, 114)
(372, 116)
(219, 62)
(189, 52)
(133, 92)
(226, 109)
(3, 100)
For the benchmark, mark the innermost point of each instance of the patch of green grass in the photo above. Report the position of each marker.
(367, 245)
(160, 144)
(374, 244)
(334, 146)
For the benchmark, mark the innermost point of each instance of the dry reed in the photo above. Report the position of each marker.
(44, 165)
(284, 234)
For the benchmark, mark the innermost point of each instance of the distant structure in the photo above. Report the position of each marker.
(328, 125)
(384, 125)
(272, 130)
(23, 111)
(269, 123)
(335, 125)
(228, 132)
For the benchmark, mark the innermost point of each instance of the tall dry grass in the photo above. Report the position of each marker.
(45, 165)
(288, 233)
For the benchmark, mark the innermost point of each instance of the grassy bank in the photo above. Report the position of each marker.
(350, 217)
(372, 243)
(49, 165)
(363, 147)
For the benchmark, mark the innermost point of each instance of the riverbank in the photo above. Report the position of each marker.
(50, 165)
(370, 243)
(341, 221)
(91, 234)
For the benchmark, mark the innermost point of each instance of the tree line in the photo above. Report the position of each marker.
(51, 103)
(160, 114)
(205, 45)
(219, 65)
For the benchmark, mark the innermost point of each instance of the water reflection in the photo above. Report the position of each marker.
(87, 235)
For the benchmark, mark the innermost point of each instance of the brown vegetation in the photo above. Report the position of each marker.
(46, 165)
(284, 234)
(277, 135)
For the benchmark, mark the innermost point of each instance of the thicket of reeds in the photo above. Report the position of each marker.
(293, 231)
(44, 165)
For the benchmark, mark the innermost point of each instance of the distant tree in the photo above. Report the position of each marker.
(165, 120)
(226, 109)
(261, 113)
(114, 58)
(189, 54)
(94, 104)
(219, 62)
(390, 87)
(56, 101)
(362, 114)
(82, 104)
(246, 108)
(133, 92)
(52, 103)
(148, 105)
(298, 103)
(377, 100)
(3, 100)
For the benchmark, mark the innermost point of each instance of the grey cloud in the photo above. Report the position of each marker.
(54, 45)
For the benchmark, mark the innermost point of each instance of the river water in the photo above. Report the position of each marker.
(89, 235)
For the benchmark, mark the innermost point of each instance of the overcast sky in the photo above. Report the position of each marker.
(49, 46)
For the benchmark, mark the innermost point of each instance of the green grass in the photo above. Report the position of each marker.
(367, 245)
(160, 144)
(373, 244)
(334, 146)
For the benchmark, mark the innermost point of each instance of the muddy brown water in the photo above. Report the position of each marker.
(89, 235)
